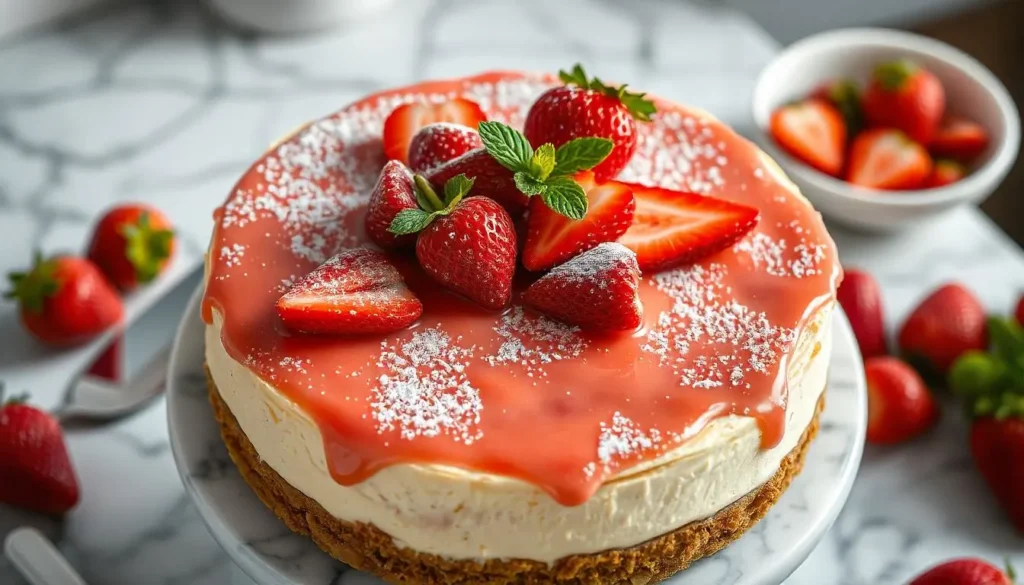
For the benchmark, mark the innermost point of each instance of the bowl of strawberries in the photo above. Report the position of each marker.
(882, 129)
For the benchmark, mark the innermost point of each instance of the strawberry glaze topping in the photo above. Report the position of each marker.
(491, 391)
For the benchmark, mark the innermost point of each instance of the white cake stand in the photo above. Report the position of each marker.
(272, 555)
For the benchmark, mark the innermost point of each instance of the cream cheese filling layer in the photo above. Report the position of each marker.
(463, 514)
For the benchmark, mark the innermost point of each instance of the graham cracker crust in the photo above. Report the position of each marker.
(367, 548)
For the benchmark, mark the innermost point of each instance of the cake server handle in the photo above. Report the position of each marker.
(38, 560)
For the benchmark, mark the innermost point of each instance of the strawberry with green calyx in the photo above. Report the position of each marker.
(992, 383)
(546, 171)
(844, 94)
(65, 300)
(587, 107)
(468, 244)
(132, 244)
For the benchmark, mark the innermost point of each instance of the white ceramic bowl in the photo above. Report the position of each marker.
(971, 91)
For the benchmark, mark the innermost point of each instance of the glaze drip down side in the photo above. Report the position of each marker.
(491, 392)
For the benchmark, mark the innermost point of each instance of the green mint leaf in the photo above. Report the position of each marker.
(543, 161)
(506, 145)
(565, 196)
(410, 221)
(529, 185)
(580, 154)
(576, 77)
(457, 186)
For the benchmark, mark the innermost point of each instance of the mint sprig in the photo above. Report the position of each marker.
(546, 171)
(411, 221)
(638, 105)
(992, 382)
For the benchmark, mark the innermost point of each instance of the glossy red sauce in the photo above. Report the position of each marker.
(513, 393)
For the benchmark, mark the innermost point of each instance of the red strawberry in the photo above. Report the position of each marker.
(963, 572)
(812, 131)
(553, 238)
(491, 179)
(950, 322)
(671, 228)
(959, 139)
(132, 244)
(393, 193)
(35, 470)
(998, 450)
(356, 291)
(945, 172)
(900, 407)
(439, 143)
(861, 299)
(887, 159)
(65, 300)
(906, 97)
(472, 251)
(407, 120)
(587, 107)
(844, 95)
(1019, 312)
(595, 290)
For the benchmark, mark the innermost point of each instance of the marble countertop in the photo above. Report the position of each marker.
(158, 101)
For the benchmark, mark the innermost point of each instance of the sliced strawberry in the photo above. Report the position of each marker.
(439, 143)
(596, 290)
(900, 407)
(671, 228)
(553, 238)
(393, 193)
(407, 120)
(887, 159)
(945, 172)
(959, 139)
(813, 131)
(357, 291)
(490, 179)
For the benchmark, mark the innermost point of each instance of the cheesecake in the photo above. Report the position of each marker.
(506, 446)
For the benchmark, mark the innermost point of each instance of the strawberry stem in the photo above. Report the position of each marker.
(427, 190)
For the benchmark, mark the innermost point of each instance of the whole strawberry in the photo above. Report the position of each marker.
(132, 244)
(392, 194)
(35, 470)
(907, 97)
(467, 244)
(1019, 312)
(489, 177)
(439, 143)
(900, 406)
(991, 383)
(947, 324)
(963, 572)
(587, 107)
(65, 300)
(861, 299)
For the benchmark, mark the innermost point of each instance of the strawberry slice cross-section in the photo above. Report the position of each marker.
(403, 123)
(357, 291)
(672, 228)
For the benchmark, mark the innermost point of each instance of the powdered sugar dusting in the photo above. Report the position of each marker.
(778, 258)
(621, 439)
(533, 341)
(678, 152)
(586, 266)
(232, 255)
(424, 391)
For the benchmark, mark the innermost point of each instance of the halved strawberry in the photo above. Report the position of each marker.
(553, 238)
(392, 194)
(812, 131)
(408, 119)
(945, 172)
(960, 139)
(596, 290)
(900, 406)
(357, 291)
(887, 159)
(671, 228)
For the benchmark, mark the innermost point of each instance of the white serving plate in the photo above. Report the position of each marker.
(272, 555)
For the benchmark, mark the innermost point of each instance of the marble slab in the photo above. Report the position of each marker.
(158, 101)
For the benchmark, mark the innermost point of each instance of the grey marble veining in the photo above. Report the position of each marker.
(159, 101)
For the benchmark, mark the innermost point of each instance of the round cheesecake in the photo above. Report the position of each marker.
(505, 447)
